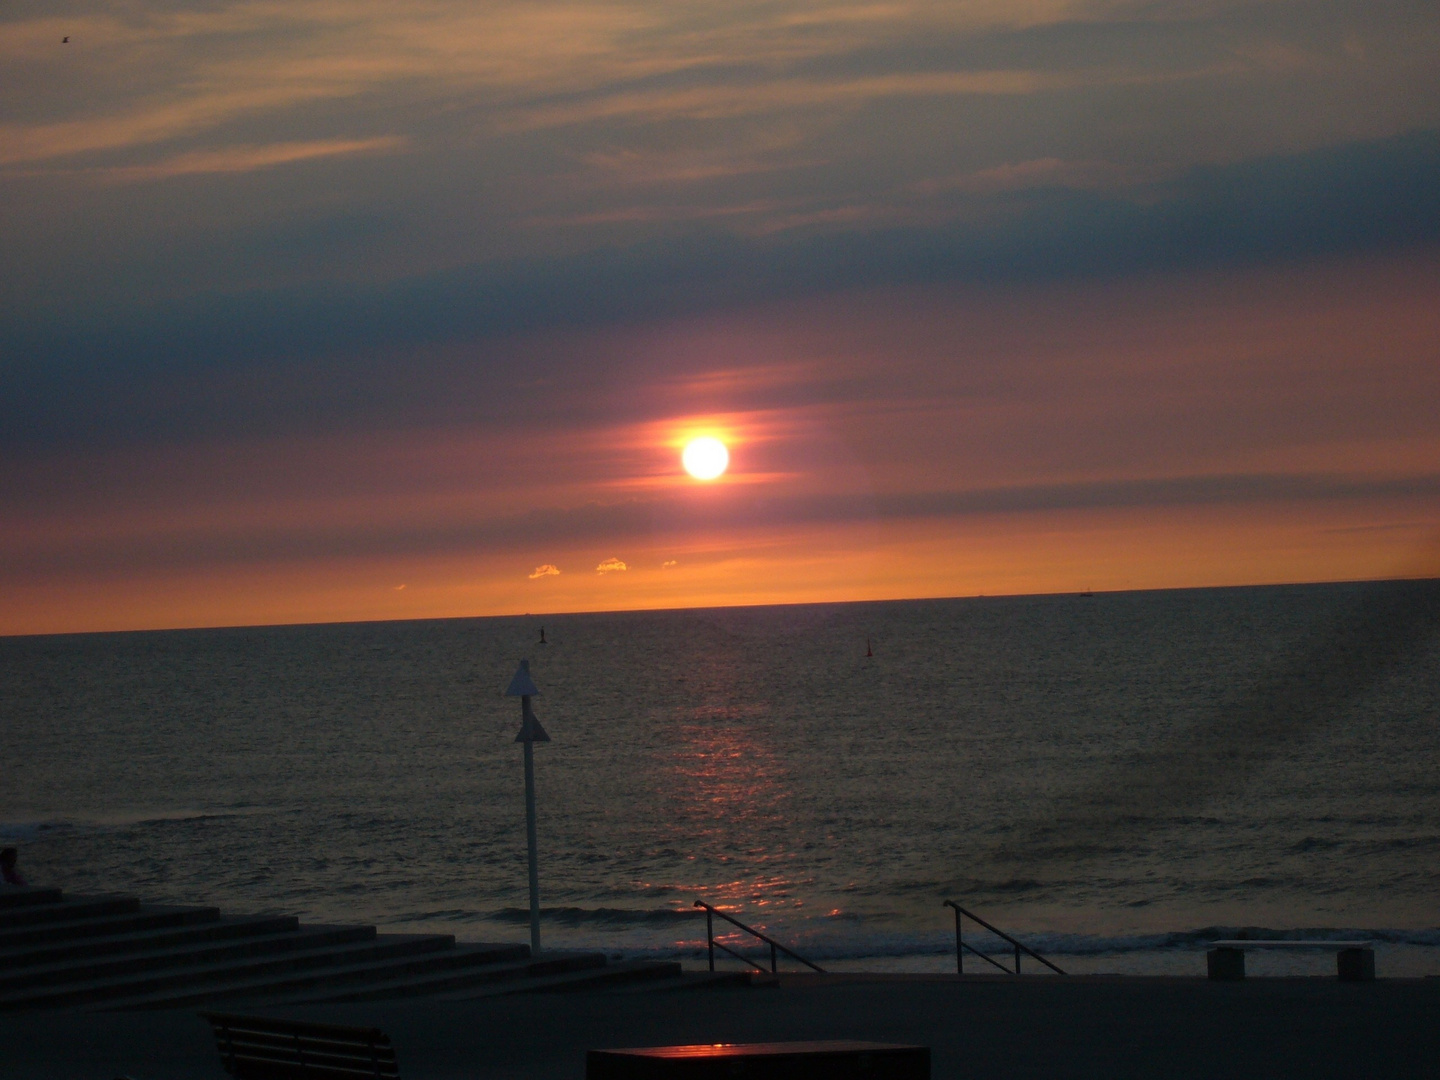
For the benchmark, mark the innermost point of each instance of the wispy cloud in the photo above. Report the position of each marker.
(240, 159)
(143, 123)
(610, 565)
(1092, 175)
(725, 101)
(164, 75)
(545, 570)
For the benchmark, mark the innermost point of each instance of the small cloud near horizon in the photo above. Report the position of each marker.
(610, 564)
(399, 587)
(670, 562)
(545, 570)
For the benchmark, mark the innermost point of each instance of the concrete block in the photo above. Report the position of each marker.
(1226, 964)
(1356, 965)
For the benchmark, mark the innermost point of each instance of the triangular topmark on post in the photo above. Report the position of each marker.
(522, 685)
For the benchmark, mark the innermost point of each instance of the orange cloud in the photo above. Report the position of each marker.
(610, 564)
(545, 570)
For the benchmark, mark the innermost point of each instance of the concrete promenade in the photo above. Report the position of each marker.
(982, 1026)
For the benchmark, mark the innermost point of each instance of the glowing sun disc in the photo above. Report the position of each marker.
(705, 458)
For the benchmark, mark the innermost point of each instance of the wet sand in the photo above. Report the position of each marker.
(1086, 1026)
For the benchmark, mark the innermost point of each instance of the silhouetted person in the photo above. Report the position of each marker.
(7, 867)
(542, 636)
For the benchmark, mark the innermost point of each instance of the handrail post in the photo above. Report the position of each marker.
(1017, 958)
(959, 947)
(710, 935)
(773, 968)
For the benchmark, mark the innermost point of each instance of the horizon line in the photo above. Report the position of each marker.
(1078, 593)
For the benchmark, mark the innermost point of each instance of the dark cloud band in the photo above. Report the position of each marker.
(234, 363)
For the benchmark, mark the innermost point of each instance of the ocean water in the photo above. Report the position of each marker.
(1116, 779)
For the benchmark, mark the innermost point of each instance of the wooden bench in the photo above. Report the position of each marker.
(1354, 960)
(762, 1061)
(260, 1048)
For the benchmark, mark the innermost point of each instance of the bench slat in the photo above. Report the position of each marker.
(339, 1032)
(247, 1040)
(346, 1060)
(293, 1070)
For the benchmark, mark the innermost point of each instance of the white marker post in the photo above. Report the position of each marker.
(531, 732)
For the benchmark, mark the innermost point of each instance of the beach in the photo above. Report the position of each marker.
(981, 1026)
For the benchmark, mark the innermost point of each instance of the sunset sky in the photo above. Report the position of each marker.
(322, 311)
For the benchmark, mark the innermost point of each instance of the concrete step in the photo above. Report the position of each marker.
(65, 909)
(460, 984)
(470, 965)
(322, 983)
(92, 969)
(25, 895)
(132, 919)
(187, 979)
(165, 936)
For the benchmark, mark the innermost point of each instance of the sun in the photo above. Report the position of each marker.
(705, 458)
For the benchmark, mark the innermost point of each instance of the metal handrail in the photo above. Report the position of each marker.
(961, 944)
(711, 911)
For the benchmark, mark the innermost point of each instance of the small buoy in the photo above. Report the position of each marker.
(542, 636)
(867, 648)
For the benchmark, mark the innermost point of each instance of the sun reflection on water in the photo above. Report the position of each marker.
(730, 793)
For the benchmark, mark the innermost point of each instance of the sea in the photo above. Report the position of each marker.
(1114, 779)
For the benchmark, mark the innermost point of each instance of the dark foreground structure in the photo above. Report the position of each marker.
(93, 988)
(117, 952)
(978, 1026)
